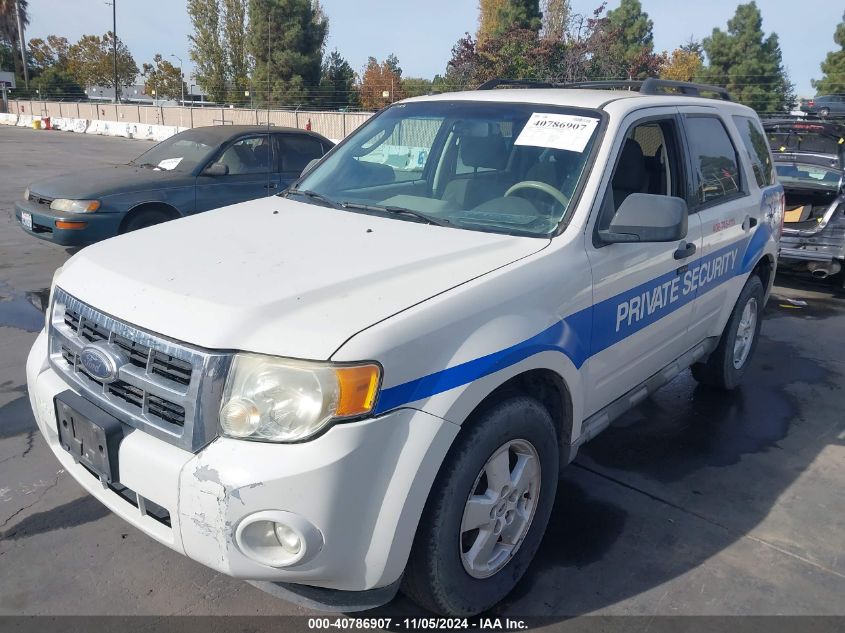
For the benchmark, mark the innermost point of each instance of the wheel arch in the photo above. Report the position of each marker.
(143, 207)
(544, 384)
(765, 269)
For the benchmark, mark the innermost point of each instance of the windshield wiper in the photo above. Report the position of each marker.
(145, 165)
(379, 208)
(313, 195)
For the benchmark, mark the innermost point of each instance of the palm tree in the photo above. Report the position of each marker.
(9, 28)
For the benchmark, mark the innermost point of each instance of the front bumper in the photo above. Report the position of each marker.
(363, 485)
(98, 226)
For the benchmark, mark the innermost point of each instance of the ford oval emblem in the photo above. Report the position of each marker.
(101, 361)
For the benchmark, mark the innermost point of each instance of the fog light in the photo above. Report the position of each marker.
(288, 539)
(277, 538)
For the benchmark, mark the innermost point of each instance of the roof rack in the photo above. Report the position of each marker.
(648, 86)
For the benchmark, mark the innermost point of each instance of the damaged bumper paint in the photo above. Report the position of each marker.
(361, 485)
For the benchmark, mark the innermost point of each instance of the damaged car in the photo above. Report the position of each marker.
(809, 159)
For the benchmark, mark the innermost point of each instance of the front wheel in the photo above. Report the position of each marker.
(487, 511)
(824, 113)
(727, 364)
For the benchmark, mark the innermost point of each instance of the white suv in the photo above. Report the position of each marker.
(374, 379)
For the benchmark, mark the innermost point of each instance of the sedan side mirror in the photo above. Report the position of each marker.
(216, 169)
(645, 217)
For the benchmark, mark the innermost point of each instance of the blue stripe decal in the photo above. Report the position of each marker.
(616, 318)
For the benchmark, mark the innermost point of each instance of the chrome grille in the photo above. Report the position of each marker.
(168, 389)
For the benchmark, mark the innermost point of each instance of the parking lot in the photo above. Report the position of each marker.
(696, 502)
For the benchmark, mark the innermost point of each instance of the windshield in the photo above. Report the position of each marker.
(503, 167)
(811, 175)
(179, 153)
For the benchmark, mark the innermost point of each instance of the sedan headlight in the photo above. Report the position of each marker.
(275, 399)
(75, 206)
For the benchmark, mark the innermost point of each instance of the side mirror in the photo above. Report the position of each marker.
(216, 169)
(645, 217)
(309, 166)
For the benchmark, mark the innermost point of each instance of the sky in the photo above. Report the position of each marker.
(422, 33)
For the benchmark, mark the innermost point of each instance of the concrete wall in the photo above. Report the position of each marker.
(333, 125)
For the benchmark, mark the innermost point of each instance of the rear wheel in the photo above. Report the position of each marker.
(727, 364)
(487, 511)
(146, 218)
(824, 112)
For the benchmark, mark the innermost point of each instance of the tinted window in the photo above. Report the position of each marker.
(714, 160)
(248, 156)
(757, 148)
(297, 151)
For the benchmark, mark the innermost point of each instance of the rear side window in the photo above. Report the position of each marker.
(758, 150)
(714, 160)
(297, 150)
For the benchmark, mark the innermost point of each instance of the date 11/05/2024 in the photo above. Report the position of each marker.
(424, 623)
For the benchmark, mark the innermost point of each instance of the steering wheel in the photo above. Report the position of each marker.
(539, 186)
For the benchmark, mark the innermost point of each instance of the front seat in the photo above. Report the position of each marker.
(479, 152)
(631, 175)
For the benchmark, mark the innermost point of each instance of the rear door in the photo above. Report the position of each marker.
(727, 205)
(641, 314)
(251, 173)
(295, 151)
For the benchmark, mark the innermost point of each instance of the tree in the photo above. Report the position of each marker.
(378, 80)
(489, 15)
(9, 29)
(416, 86)
(47, 53)
(556, 14)
(521, 14)
(633, 43)
(292, 58)
(833, 65)
(235, 46)
(497, 17)
(163, 79)
(206, 49)
(461, 69)
(90, 61)
(56, 83)
(681, 65)
(337, 84)
(747, 63)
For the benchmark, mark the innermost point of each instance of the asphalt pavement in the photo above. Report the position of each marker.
(695, 503)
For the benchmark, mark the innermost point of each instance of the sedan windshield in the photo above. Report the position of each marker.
(813, 176)
(180, 153)
(502, 167)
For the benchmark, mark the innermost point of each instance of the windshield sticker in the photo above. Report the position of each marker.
(557, 131)
(169, 163)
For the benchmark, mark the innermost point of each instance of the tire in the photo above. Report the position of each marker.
(727, 364)
(824, 113)
(146, 218)
(440, 575)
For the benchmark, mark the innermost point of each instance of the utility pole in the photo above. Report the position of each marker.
(22, 41)
(114, 49)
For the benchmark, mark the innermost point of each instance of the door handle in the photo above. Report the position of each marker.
(749, 223)
(272, 185)
(685, 250)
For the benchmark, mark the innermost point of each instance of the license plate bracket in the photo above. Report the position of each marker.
(26, 219)
(90, 435)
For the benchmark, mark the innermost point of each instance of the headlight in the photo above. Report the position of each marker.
(26, 194)
(281, 400)
(75, 206)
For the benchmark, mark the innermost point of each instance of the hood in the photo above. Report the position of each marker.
(104, 181)
(279, 277)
